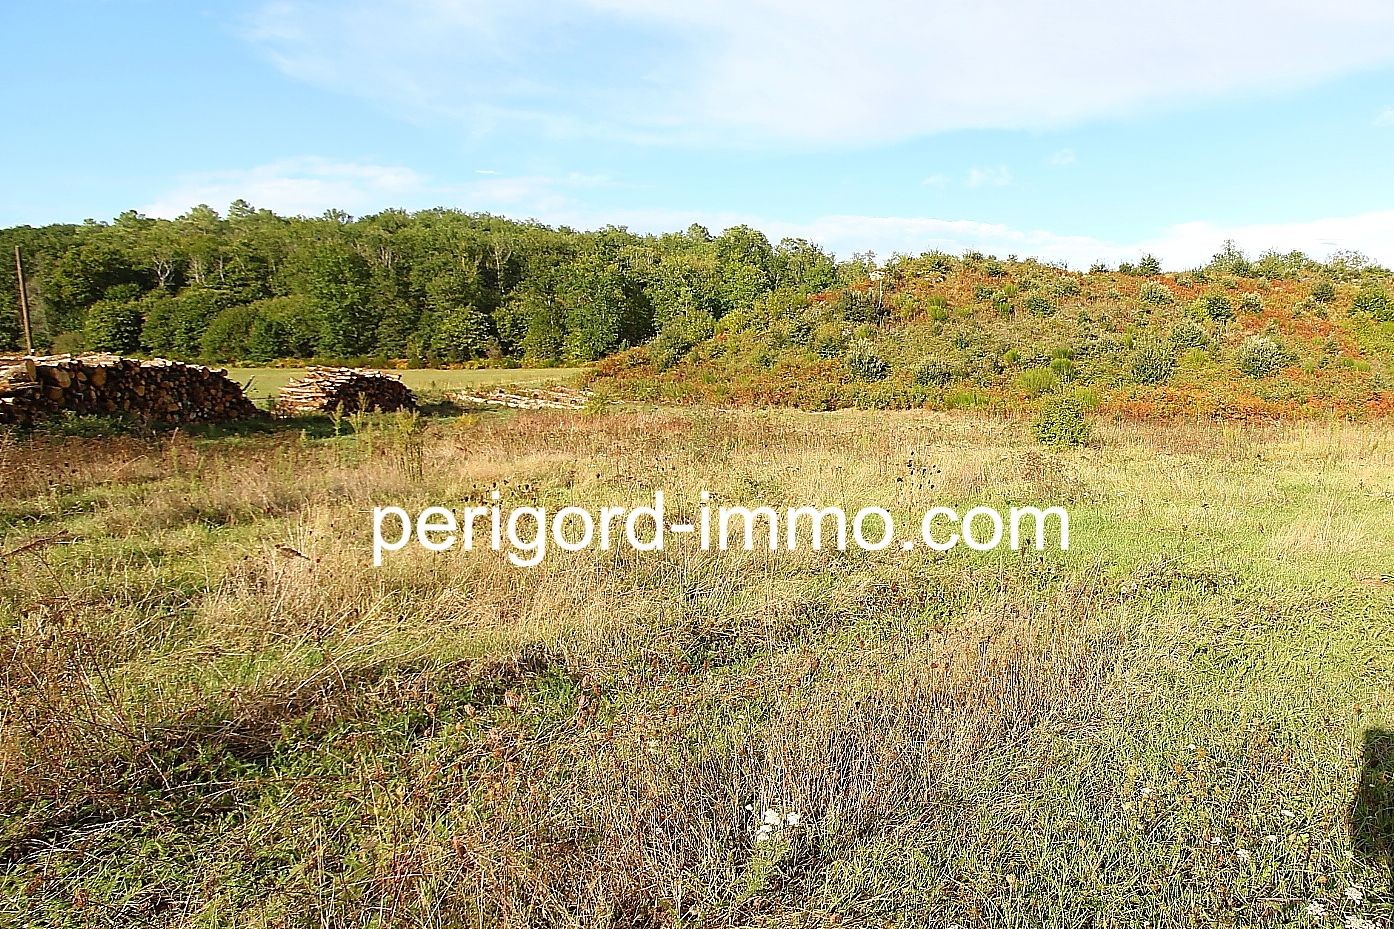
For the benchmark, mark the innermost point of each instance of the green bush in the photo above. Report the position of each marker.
(866, 365)
(1323, 292)
(828, 341)
(1037, 381)
(1064, 287)
(1217, 307)
(228, 334)
(461, 334)
(1039, 305)
(174, 326)
(1251, 302)
(1061, 422)
(113, 326)
(1260, 356)
(1155, 293)
(1374, 301)
(934, 373)
(1153, 362)
(1189, 334)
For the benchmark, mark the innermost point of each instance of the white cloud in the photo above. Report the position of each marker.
(1180, 247)
(1066, 156)
(293, 186)
(935, 180)
(810, 70)
(308, 186)
(1189, 244)
(1385, 117)
(997, 176)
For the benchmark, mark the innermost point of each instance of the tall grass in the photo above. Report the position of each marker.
(214, 712)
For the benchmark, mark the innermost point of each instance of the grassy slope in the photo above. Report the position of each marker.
(264, 383)
(215, 713)
(958, 334)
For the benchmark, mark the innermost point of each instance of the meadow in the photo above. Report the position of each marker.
(262, 384)
(215, 712)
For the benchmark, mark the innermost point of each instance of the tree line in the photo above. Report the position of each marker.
(436, 286)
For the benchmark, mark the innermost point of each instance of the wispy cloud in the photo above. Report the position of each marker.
(294, 186)
(1180, 246)
(826, 72)
(1385, 117)
(994, 176)
(307, 186)
(1064, 157)
(935, 180)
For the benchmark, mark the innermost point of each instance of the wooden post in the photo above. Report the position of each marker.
(23, 303)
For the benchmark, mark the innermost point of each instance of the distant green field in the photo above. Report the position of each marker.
(264, 383)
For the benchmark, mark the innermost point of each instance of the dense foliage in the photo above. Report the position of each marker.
(1278, 335)
(433, 287)
(728, 318)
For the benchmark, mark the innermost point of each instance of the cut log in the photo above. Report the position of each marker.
(542, 398)
(344, 390)
(34, 388)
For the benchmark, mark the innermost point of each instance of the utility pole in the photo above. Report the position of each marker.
(23, 304)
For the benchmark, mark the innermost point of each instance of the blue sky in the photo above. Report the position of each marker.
(1073, 131)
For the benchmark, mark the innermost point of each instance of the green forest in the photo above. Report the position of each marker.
(433, 287)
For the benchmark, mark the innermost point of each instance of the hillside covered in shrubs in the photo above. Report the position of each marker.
(1240, 337)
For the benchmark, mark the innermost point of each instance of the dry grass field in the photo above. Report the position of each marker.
(215, 712)
(262, 384)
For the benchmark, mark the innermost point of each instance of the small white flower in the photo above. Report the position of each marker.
(771, 818)
(1216, 840)
(1271, 839)
(1243, 854)
(792, 819)
(1355, 894)
(1289, 814)
(1316, 910)
(1360, 922)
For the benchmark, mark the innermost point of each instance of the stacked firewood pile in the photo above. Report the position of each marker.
(35, 388)
(344, 390)
(544, 398)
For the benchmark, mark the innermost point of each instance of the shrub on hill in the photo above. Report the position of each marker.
(1373, 300)
(1153, 361)
(1061, 422)
(865, 365)
(1155, 293)
(1037, 381)
(935, 373)
(1189, 334)
(1260, 356)
(1217, 307)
